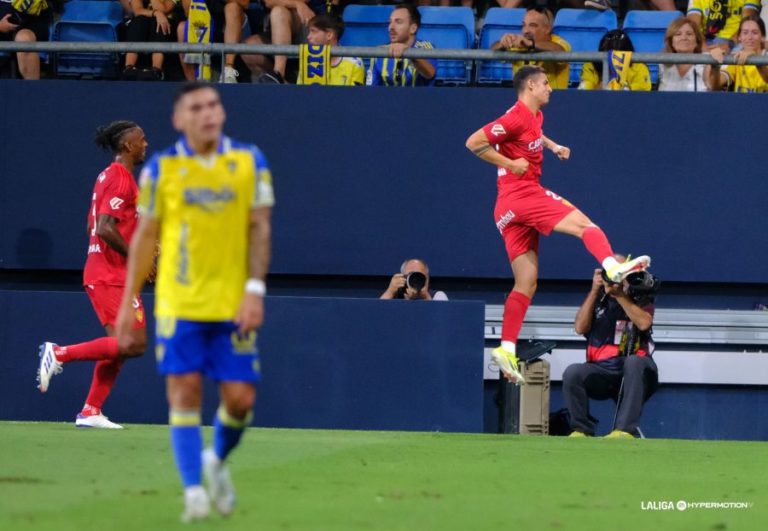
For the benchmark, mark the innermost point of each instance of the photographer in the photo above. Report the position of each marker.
(412, 283)
(616, 319)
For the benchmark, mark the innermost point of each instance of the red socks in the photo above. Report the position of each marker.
(514, 312)
(597, 243)
(104, 348)
(104, 376)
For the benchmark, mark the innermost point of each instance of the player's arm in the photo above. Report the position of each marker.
(106, 229)
(141, 258)
(562, 152)
(479, 144)
(251, 313)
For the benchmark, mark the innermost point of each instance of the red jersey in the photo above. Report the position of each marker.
(517, 134)
(115, 194)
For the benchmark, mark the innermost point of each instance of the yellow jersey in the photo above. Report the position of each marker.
(744, 78)
(639, 78)
(709, 9)
(350, 71)
(557, 73)
(203, 205)
(29, 7)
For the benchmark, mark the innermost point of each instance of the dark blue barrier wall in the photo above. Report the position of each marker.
(365, 177)
(327, 363)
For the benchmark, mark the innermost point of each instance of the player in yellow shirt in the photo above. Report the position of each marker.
(208, 200)
(741, 77)
(719, 19)
(537, 35)
(637, 78)
(326, 30)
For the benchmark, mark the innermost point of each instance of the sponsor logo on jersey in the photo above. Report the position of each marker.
(505, 220)
(94, 248)
(116, 203)
(102, 176)
(536, 145)
(209, 199)
(498, 130)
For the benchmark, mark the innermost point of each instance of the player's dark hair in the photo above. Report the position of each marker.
(328, 22)
(413, 12)
(522, 75)
(110, 137)
(192, 86)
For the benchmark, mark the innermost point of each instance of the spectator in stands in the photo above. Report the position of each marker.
(26, 21)
(719, 19)
(741, 77)
(683, 36)
(326, 30)
(637, 77)
(616, 319)
(152, 21)
(412, 283)
(404, 22)
(537, 35)
(289, 23)
(605, 5)
(227, 17)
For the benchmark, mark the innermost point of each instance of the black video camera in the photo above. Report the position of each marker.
(414, 280)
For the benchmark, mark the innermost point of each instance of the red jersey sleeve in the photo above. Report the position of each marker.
(115, 195)
(506, 127)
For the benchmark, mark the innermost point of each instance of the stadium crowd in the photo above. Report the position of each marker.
(709, 27)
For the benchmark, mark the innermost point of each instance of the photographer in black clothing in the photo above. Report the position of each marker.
(412, 283)
(616, 319)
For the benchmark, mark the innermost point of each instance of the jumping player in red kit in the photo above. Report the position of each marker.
(111, 222)
(524, 208)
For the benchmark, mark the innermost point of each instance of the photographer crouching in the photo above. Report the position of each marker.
(412, 283)
(616, 319)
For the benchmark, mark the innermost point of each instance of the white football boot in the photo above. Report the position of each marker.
(220, 488)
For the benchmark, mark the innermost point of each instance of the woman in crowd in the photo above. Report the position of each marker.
(683, 36)
(742, 77)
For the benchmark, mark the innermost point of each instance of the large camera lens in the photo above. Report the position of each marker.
(415, 280)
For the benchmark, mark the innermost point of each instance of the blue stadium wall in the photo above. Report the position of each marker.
(364, 178)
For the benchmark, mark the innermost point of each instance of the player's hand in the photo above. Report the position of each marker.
(123, 326)
(7, 26)
(304, 12)
(163, 26)
(396, 49)
(717, 53)
(597, 280)
(397, 283)
(562, 152)
(519, 166)
(250, 316)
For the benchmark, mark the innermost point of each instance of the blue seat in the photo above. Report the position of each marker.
(452, 28)
(498, 21)
(88, 21)
(366, 26)
(647, 29)
(583, 29)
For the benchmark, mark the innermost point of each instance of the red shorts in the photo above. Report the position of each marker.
(106, 302)
(525, 210)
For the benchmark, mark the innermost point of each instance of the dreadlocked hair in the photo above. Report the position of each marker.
(110, 137)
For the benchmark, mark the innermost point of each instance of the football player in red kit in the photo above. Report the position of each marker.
(111, 222)
(515, 144)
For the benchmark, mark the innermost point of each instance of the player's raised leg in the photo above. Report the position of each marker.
(578, 224)
(233, 416)
(185, 399)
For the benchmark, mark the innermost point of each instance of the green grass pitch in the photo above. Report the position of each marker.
(55, 477)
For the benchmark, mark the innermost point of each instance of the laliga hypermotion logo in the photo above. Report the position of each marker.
(498, 130)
